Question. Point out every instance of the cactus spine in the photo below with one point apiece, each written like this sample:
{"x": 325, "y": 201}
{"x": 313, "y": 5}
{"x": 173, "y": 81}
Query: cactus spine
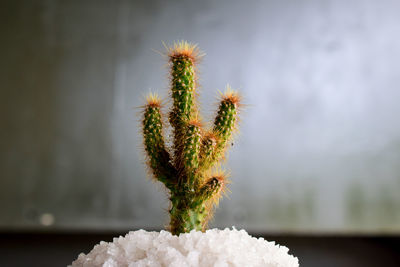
{"x": 191, "y": 175}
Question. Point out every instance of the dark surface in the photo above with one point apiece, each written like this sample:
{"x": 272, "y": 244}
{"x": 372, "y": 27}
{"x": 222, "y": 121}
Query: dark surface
{"x": 60, "y": 249}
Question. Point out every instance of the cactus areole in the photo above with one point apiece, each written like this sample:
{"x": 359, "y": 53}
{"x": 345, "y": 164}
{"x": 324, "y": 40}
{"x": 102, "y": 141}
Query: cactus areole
{"x": 190, "y": 166}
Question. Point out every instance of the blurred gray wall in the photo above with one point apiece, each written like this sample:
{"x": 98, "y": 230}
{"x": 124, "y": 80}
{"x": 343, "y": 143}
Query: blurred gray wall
{"x": 319, "y": 149}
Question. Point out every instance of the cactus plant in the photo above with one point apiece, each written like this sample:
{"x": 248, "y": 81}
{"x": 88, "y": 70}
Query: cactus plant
{"x": 190, "y": 166}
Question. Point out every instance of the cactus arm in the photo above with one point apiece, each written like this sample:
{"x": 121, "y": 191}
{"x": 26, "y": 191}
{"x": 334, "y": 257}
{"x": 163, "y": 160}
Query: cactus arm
{"x": 191, "y": 149}
{"x": 182, "y": 58}
{"x": 214, "y": 143}
{"x": 207, "y": 151}
{"x": 158, "y": 158}
{"x": 225, "y": 120}
{"x": 208, "y": 190}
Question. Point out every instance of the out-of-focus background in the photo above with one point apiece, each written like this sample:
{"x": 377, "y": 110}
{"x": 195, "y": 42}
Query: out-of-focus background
{"x": 319, "y": 149}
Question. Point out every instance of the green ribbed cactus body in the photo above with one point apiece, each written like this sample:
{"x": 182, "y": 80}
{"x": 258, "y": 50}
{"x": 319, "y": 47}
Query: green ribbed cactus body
{"x": 183, "y": 86}
{"x": 158, "y": 157}
{"x": 194, "y": 184}
{"x": 186, "y": 215}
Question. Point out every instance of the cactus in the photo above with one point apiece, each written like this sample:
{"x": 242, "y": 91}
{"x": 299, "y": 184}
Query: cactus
{"x": 190, "y": 167}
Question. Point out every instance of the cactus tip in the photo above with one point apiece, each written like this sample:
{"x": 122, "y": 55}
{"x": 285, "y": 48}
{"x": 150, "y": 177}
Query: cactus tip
{"x": 221, "y": 178}
{"x": 231, "y": 95}
{"x": 153, "y": 100}
{"x": 184, "y": 48}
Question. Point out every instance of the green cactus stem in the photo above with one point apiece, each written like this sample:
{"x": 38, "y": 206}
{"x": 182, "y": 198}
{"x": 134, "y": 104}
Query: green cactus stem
{"x": 191, "y": 175}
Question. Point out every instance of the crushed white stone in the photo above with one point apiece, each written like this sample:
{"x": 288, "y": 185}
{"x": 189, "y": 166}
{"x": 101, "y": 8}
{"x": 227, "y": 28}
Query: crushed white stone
{"x": 217, "y": 248}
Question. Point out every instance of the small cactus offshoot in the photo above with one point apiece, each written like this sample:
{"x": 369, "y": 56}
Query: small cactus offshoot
{"x": 190, "y": 166}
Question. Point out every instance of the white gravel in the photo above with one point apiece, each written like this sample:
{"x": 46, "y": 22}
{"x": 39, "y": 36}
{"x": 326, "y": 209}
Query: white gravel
{"x": 218, "y": 248}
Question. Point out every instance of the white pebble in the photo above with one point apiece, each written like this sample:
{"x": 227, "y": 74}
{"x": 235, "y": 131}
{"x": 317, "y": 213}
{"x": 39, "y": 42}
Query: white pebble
{"x": 213, "y": 248}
